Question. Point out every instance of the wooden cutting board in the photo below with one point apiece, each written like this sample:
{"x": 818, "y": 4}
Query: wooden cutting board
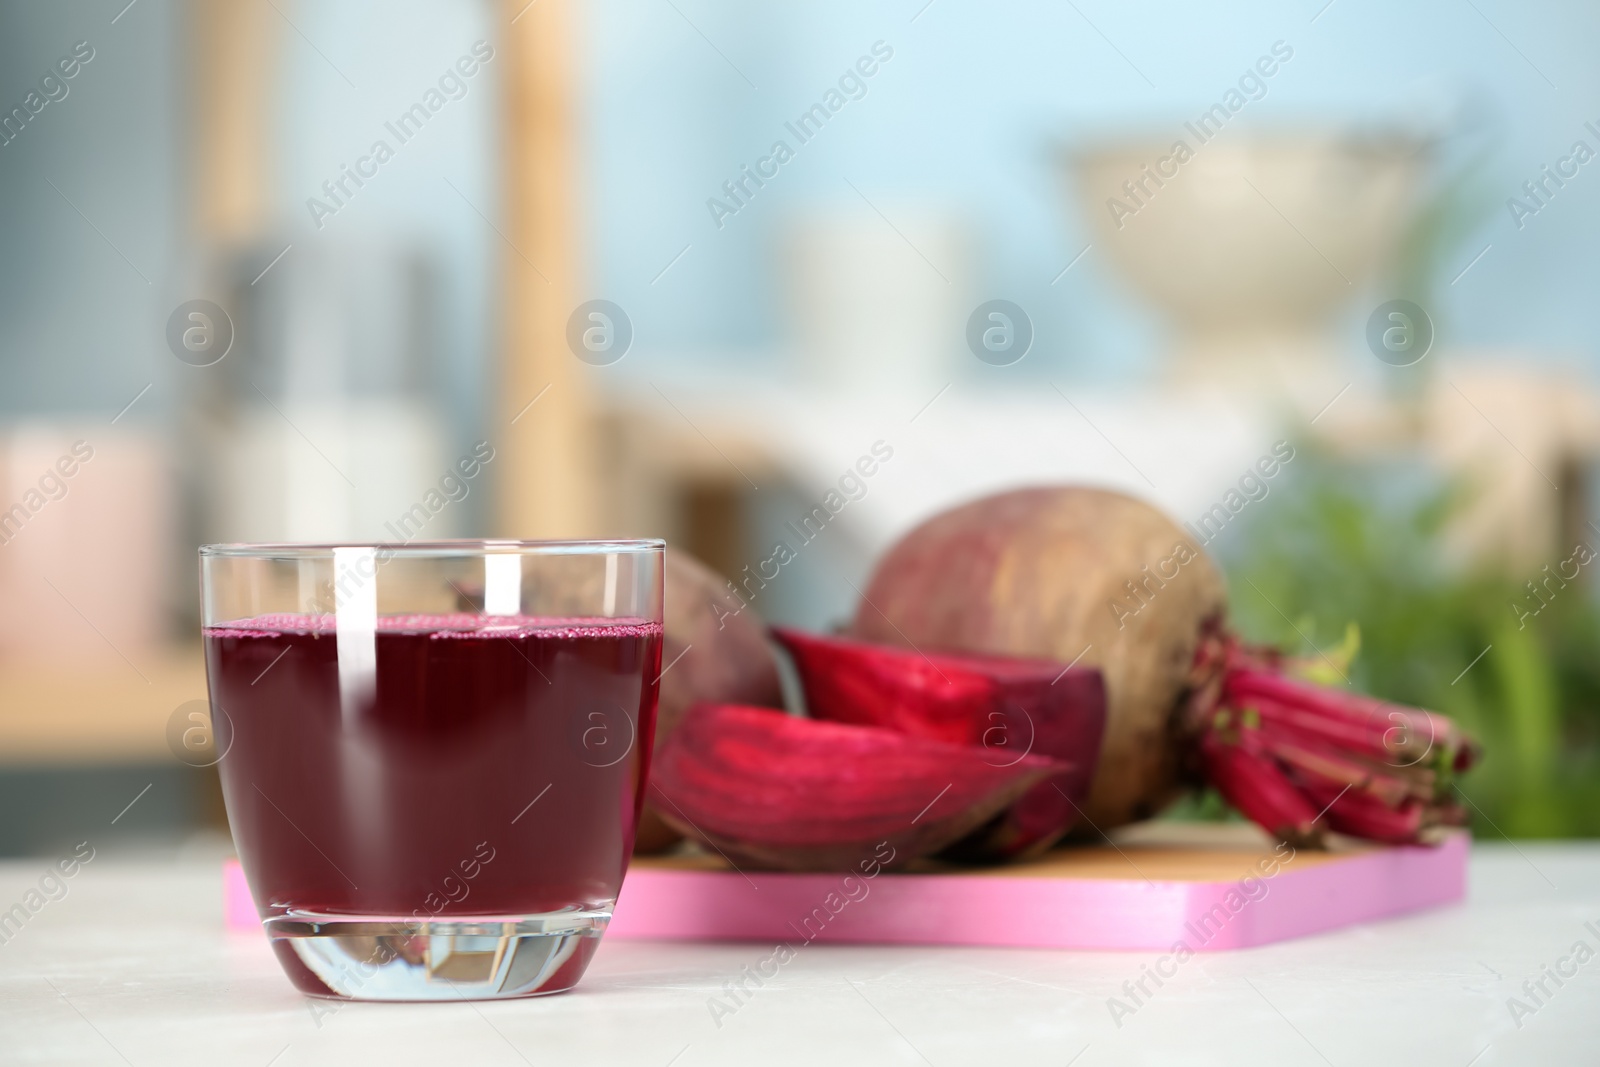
{"x": 1210, "y": 887}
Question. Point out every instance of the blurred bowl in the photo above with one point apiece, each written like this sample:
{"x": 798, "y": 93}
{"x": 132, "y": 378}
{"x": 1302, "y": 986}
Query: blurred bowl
{"x": 1256, "y": 230}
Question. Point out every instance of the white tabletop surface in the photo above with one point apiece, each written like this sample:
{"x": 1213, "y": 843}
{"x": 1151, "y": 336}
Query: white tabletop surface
{"x": 133, "y": 966}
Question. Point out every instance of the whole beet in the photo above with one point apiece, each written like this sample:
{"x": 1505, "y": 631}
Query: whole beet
{"x": 1077, "y": 575}
{"x": 715, "y": 651}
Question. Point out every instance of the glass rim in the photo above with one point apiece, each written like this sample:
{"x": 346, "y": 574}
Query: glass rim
{"x": 463, "y": 547}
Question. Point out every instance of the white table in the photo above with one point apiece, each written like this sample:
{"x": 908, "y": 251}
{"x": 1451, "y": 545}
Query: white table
{"x": 134, "y": 966}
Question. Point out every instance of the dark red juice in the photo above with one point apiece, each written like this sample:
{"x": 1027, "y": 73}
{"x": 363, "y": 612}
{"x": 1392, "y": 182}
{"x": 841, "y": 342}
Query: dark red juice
{"x": 482, "y": 767}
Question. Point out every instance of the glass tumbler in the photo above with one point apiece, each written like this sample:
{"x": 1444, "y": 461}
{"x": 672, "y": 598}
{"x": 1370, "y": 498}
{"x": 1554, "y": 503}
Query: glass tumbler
{"x": 434, "y": 755}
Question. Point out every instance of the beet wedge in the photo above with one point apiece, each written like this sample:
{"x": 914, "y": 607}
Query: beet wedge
{"x": 775, "y": 791}
{"x": 1006, "y": 707}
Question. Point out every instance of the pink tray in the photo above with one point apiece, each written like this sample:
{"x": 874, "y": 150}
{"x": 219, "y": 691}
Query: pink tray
{"x": 1211, "y": 887}
{"x": 1205, "y": 886}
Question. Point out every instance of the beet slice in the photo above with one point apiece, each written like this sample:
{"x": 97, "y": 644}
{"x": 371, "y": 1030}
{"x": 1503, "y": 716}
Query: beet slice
{"x": 1007, "y": 707}
{"x": 771, "y": 790}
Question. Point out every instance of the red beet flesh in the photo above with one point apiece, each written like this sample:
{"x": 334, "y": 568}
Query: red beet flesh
{"x": 1004, "y": 707}
{"x": 771, "y": 790}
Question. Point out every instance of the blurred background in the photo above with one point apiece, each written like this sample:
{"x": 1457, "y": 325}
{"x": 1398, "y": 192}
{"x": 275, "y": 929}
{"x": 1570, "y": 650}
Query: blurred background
{"x": 271, "y": 267}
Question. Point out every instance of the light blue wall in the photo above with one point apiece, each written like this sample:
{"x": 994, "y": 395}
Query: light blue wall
{"x": 80, "y": 329}
{"x": 964, "y": 114}
{"x": 81, "y": 332}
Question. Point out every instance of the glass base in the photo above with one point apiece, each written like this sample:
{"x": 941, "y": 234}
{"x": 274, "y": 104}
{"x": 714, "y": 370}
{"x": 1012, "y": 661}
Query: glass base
{"x": 478, "y": 959}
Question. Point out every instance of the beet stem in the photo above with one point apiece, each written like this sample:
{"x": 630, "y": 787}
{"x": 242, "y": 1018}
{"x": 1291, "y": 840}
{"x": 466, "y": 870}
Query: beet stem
{"x": 1275, "y": 747}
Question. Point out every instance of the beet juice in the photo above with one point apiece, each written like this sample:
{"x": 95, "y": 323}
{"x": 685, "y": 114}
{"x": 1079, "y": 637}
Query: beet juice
{"x": 494, "y": 767}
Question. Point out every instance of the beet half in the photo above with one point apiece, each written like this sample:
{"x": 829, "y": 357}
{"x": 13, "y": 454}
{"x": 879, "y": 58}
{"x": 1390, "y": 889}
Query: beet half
{"x": 1037, "y": 573}
{"x": 1005, "y": 707}
{"x": 771, "y": 790}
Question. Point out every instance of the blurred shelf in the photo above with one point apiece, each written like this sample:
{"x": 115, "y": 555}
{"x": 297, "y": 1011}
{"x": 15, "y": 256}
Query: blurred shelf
{"x": 66, "y": 713}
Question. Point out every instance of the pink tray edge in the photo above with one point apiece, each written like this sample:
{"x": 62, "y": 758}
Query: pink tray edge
{"x": 1101, "y": 914}
{"x": 1097, "y": 914}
